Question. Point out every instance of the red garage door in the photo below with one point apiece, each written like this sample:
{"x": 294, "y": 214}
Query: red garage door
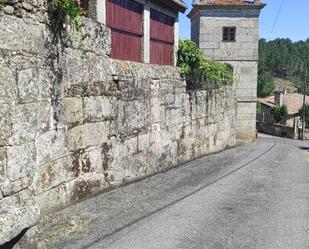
{"x": 124, "y": 17}
{"x": 161, "y": 38}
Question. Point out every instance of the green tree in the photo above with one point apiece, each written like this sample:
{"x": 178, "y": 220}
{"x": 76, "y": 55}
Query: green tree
{"x": 285, "y": 59}
{"x": 266, "y": 84}
{"x": 301, "y": 111}
{"x": 279, "y": 112}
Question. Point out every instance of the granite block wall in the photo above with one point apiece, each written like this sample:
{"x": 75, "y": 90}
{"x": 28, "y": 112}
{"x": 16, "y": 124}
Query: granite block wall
{"x": 74, "y": 122}
{"x": 242, "y": 55}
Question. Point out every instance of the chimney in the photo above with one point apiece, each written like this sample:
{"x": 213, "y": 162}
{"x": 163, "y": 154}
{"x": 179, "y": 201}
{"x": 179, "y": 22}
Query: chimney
{"x": 279, "y": 97}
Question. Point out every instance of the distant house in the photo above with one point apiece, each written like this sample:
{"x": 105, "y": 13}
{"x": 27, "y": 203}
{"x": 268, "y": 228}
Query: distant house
{"x": 142, "y": 30}
{"x": 290, "y": 125}
{"x": 293, "y": 101}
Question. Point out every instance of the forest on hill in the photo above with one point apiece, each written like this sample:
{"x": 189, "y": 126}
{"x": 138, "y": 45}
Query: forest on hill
{"x": 282, "y": 58}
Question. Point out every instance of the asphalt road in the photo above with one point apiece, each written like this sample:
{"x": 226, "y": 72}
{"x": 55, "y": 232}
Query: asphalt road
{"x": 255, "y": 196}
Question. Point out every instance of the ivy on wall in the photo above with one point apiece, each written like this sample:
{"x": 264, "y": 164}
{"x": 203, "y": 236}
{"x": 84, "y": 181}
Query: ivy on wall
{"x": 200, "y": 72}
{"x": 71, "y": 10}
{"x": 1, "y": 4}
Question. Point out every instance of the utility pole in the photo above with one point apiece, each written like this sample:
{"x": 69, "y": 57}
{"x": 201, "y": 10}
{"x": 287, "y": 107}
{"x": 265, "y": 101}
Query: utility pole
{"x": 304, "y": 103}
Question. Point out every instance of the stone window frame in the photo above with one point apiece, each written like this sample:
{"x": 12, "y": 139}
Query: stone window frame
{"x": 229, "y": 34}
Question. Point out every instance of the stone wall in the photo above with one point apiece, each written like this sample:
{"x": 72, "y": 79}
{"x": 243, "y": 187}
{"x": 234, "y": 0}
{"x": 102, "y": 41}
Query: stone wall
{"x": 207, "y": 32}
{"x": 277, "y": 130}
{"x": 74, "y": 122}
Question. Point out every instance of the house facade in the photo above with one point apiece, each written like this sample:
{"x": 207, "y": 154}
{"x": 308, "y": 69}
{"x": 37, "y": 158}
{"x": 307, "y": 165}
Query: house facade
{"x": 293, "y": 101}
{"x": 228, "y": 31}
{"x": 142, "y": 30}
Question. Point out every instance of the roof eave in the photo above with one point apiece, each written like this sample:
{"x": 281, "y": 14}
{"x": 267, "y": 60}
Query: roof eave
{"x": 177, "y": 5}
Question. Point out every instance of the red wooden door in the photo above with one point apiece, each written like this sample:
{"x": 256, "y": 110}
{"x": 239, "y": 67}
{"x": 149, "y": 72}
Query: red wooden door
{"x": 124, "y": 17}
{"x": 161, "y": 38}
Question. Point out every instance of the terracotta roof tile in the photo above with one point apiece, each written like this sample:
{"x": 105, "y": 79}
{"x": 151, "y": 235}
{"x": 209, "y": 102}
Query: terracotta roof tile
{"x": 268, "y": 101}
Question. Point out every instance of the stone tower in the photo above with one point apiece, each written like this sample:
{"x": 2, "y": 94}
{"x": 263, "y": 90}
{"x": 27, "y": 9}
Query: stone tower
{"x": 228, "y": 31}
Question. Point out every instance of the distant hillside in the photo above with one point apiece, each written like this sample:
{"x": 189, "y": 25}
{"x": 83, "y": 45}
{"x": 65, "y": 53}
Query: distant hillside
{"x": 284, "y": 60}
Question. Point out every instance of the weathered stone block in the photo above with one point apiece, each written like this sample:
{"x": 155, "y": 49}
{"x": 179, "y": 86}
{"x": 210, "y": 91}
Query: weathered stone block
{"x": 89, "y": 161}
{"x": 21, "y": 161}
{"x": 13, "y": 220}
{"x": 143, "y": 142}
{"x": 78, "y": 72}
{"x": 33, "y": 84}
{"x": 98, "y": 39}
{"x": 71, "y": 110}
{"x": 5, "y": 186}
{"x": 89, "y": 134}
{"x": 84, "y": 186}
{"x": 5, "y": 124}
{"x": 124, "y": 148}
{"x": 3, "y": 161}
{"x": 135, "y": 116}
{"x": 51, "y": 146}
{"x": 29, "y": 120}
{"x": 99, "y": 108}
{"x": 10, "y": 30}
{"x": 52, "y": 199}
{"x": 12, "y": 187}
{"x": 54, "y": 173}
{"x": 7, "y": 81}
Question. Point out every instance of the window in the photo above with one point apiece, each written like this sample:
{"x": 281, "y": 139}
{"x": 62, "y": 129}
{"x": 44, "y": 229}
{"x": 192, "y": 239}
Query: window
{"x": 229, "y": 34}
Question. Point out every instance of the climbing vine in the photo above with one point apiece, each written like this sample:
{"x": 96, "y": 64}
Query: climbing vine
{"x": 1, "y": 4}
{"x": 201, "y": 72}
{"x": 258, "y": 109}
{"x": 71, "y": 10}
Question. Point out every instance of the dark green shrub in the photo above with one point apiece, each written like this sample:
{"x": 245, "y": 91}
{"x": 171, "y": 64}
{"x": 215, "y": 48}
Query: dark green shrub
{"x": 306, "y": 108}
{"x": 200, "y": 72}
{"x": 266, "y": 84}
{"x": 258, "y": 109}
{"x": 1, "y": 4}
{"x": 279, "y": 112}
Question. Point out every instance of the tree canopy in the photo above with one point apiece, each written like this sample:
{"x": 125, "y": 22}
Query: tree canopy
{"x": 306, "y": 109}
{"x": 284, "y": 59}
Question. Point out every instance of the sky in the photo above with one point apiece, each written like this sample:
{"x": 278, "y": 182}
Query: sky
{"x": 293, "y": 21}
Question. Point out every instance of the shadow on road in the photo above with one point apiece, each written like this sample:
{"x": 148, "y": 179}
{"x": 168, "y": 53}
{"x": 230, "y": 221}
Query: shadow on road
{"x": 303, "y": 148}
